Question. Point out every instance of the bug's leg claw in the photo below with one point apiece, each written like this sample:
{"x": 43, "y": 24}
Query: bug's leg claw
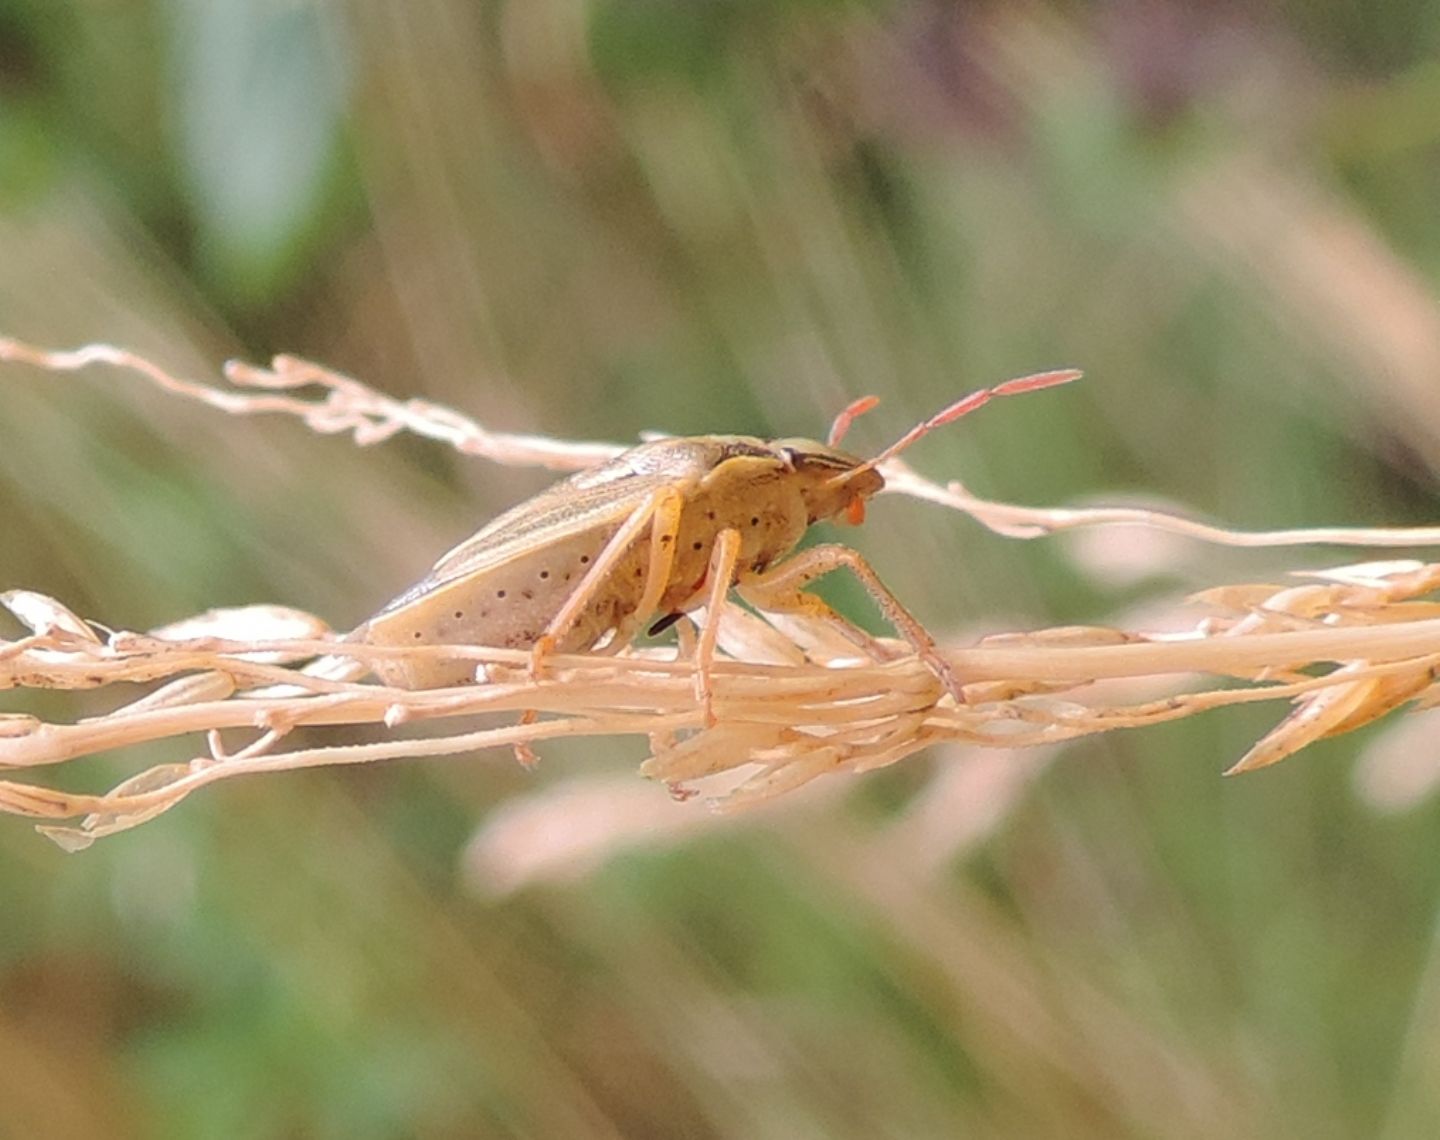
{"x": 705, "y": 696}
{"x": 526, "y": 755}
{"x": 945, "y": 673}
{"x": 539, "y": 653}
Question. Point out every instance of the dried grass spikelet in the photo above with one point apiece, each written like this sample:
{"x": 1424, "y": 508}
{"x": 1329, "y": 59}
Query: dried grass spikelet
{"x": 793, "y": 699}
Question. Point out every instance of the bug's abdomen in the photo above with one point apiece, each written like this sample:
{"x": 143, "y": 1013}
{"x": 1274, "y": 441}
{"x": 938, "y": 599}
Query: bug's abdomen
{"x": 508, "y": 606}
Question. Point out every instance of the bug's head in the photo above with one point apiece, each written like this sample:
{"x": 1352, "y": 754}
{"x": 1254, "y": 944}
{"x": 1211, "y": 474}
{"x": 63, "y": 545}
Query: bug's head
{"x": 833, "y": 483}
{"x": 843, "y": 482}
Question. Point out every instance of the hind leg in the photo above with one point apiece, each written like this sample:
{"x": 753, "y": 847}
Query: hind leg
{"x": 661, "y": 513}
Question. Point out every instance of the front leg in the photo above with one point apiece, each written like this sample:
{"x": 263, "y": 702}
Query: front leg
{"x": 782, "y": 588}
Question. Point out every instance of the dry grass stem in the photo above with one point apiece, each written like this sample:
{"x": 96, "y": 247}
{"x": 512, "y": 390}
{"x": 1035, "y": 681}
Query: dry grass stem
{"x": 793, "y": 700}
{"x": 346, "y": 405}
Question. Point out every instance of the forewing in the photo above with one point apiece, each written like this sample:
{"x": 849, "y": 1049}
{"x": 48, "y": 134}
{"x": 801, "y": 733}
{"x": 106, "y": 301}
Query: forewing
{"x": 561, "y": 512}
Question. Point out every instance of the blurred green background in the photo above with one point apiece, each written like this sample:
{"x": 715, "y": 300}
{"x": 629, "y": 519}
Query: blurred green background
{"x": 592, "y": 217}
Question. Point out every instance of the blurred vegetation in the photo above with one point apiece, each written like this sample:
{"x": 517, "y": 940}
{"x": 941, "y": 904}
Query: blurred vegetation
{"x": 591, "y": 217}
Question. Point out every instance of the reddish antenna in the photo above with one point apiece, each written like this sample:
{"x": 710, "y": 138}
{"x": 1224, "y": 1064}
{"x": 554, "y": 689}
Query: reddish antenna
{"x": 961, "y": 407}
{"x": 852, "y": 412}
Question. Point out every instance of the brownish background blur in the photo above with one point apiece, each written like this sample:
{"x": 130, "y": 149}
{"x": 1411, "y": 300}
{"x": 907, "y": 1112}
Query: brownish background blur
{"x": 591, "y": 217}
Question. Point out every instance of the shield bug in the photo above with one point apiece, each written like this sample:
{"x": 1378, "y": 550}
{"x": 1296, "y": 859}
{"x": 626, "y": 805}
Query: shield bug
{"x": 661, "y": 529}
